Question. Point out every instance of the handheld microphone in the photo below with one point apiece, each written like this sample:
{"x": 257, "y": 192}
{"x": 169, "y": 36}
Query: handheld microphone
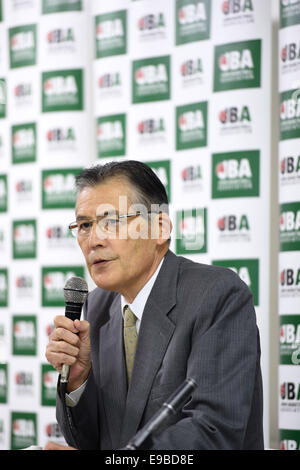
{"x": 75, "y": 293}
{"x": 171, "y": 406}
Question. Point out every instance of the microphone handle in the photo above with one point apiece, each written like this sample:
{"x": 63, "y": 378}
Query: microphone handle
{"x": 72, "y": 311}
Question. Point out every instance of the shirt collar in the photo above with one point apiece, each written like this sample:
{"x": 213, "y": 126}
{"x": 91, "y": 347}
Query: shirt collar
{"x": 138, "y": 305}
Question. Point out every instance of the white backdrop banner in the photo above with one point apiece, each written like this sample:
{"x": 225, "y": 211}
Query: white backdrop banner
{"x": 289, "y": 203}
{"x": 183, "y": 86}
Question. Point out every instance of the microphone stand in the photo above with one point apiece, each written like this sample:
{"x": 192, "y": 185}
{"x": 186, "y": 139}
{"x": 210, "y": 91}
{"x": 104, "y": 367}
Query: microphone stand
{"x": 170, "y": 407}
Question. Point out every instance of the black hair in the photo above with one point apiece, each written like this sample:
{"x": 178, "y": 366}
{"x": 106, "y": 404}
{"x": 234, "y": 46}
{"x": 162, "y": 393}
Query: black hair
{"x": 148, "y": 187}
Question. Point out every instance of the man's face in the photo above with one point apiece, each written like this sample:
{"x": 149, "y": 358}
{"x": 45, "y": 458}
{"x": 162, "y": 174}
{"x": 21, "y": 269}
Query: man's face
{"x": 122, "y": 264}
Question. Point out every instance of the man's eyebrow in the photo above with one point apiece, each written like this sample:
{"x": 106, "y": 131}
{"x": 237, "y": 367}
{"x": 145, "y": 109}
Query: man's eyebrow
{"x": 82, "y": 217}
{"x": 85, "y": 217}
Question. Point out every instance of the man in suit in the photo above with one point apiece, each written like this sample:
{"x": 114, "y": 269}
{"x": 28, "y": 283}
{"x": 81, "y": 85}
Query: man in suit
{"x": 187, "y": 320}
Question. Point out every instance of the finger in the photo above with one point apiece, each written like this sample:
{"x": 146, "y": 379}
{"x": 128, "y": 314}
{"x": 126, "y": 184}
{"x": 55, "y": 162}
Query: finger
{"x": 61, "y": 321}
{"x": 63, "y": 347}
{"x": 83, "y": 327}
{"x": 61, "y": 334}
{"x": 53, "y": 446}
{"x": 58, "y": 359}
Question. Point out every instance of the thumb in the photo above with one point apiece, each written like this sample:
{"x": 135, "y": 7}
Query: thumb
{"x": 83, "y": 327}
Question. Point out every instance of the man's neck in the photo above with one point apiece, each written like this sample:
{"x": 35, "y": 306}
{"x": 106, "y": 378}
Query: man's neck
{"x": 131, "y": 293}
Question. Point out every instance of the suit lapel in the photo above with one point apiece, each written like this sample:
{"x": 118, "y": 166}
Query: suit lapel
{"x": 112, "y": 371}
{"x": 155, "y": 333}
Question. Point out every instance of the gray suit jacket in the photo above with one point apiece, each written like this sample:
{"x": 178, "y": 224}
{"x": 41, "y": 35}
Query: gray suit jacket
{"x": 198, "y": 322}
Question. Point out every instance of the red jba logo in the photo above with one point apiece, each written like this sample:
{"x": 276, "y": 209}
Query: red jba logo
{"x": 233, "y": 223}
{"x": 236, "y": 6}
{"x": 234, "y": 114}
{"x": 151, "y": 22}
{"x": 290, "y": 277}
{"x": 290, "y": 165}
{"x": 290, "y": 52}
{"x": 52, "y": 430}
{"x": 290, "y": 391}
{"x": 60, "y": 35}
{"x": 151, "y": 126}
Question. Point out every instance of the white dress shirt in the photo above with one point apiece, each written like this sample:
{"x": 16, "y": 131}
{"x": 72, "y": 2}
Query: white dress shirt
{"x": 137, "y": 307}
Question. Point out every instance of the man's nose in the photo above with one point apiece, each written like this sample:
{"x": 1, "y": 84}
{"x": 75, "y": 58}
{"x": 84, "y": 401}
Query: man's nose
{"x": 96, "y": 236}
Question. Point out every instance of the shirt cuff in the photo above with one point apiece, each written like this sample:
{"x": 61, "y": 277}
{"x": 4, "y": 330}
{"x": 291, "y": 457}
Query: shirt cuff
{"x": 73, "y": 398}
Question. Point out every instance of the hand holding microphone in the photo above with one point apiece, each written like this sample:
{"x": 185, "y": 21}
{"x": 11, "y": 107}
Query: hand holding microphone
{"x": 69, "y": 349}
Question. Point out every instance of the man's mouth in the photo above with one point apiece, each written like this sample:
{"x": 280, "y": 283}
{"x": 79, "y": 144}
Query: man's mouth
{"x": 101, "y": 261}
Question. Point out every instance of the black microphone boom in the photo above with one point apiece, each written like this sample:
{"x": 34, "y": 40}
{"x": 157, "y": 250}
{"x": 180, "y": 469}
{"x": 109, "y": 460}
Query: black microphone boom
{"x": 171, "y": 406}
{"x": 75, "y": 293}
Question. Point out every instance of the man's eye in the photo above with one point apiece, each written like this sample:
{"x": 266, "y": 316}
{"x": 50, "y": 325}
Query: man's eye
{"x": 110, "y": 224}
{"x": 84, "y": 226}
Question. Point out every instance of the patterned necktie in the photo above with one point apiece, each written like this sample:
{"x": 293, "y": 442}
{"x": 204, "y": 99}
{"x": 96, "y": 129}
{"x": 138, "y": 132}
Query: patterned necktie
{"x": 130, "y": 339}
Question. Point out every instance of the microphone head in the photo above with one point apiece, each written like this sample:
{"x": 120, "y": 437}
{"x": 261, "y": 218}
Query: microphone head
{"x": 76, "y": 290}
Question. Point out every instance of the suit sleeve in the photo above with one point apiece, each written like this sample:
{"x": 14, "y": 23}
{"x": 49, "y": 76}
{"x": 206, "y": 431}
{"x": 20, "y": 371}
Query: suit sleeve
{"x": 224, "y": 360}
{"x": 82, "y": 418}
{"x": 81, "y": 421}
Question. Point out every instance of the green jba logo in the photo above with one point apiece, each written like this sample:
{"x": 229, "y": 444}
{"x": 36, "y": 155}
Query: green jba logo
{"x": 24, "y": 335}
{"x": 151, "y": 79}
{"x": 2, "y": 98}
{"x": 24, "y": 239}
{"x": 289, "y": 13}
{"x": 237, "y": 65}
{"x": 62, "y": 90}
{"x": 53, "y": 282}
{"x": 24, "y": 143}
{"x": 289, "y": 340}
{"x": 3, "y": 287}
{"x": 23, "y": 430}
{"x": 111, "y": 135}
{"x": 191, "y": 126}
{"x": 3, "y": 193}
{"x": 290, "y": 114}
{"x": 290, "y": 226}
{"x": 162, "y": 170}
{"x": 56, "y": 6}
{"x": 192, "y": 20}
{"x": 3, "y": 384}
{"x": 289, "y": 439}
{"x": 111, "y": 34}
{"x": 235, "y": 174}
{"x": 22, "y": 45}
{"x": 247, "y": 270}
{"x": 49, "y": 381}
{"x": 191, "y": 232}
{"x": 58, "y": 188}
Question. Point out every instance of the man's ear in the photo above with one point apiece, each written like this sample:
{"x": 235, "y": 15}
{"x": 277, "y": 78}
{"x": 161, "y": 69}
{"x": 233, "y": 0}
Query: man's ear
{"x": 163, "y": 226}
